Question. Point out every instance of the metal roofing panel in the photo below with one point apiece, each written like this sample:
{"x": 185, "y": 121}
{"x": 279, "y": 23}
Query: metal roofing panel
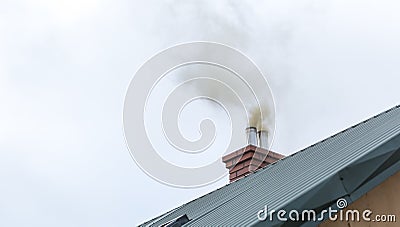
{"x": 287, "y": 181}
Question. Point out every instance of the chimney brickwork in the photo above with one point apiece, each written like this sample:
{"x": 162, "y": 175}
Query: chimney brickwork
{"x": 247, "y": 160}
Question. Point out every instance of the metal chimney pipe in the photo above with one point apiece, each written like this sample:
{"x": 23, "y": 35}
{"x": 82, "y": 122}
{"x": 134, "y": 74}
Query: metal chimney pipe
{"x": 263, "y": 139}
{"x": 251, "y": 135}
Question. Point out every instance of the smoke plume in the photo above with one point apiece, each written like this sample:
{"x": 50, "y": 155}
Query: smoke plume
{"x": 234, "y": 24}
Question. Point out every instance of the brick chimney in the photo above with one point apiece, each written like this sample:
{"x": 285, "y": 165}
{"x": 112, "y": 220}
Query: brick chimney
{"x": 251, "y": 157}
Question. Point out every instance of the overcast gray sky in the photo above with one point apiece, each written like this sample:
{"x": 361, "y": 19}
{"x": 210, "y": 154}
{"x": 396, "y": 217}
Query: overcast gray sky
{"x": 65, "y": 67}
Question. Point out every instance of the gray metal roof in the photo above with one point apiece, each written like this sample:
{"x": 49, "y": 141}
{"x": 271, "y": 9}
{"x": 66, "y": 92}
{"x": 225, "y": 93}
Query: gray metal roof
{"x": 346, "y": 165}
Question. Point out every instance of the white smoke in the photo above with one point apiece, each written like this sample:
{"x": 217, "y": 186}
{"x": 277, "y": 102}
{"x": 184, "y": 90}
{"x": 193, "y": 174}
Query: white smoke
{"x": 234, "y": 24}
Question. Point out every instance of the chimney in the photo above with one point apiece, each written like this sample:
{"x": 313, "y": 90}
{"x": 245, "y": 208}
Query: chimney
{"x": 251, "y": 135}
{"x": 263, "y": 139}
{"x": 252, "y": 157}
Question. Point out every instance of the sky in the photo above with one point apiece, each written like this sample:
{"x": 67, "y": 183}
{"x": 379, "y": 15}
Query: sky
{"x": 65, "y": 67}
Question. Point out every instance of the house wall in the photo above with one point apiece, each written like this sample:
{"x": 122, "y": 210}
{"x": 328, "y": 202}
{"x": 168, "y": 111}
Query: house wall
{"x": 383, "y": 199}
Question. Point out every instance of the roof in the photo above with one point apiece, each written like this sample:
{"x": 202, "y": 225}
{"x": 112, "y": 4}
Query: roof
{"x": 346, "y": 165}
